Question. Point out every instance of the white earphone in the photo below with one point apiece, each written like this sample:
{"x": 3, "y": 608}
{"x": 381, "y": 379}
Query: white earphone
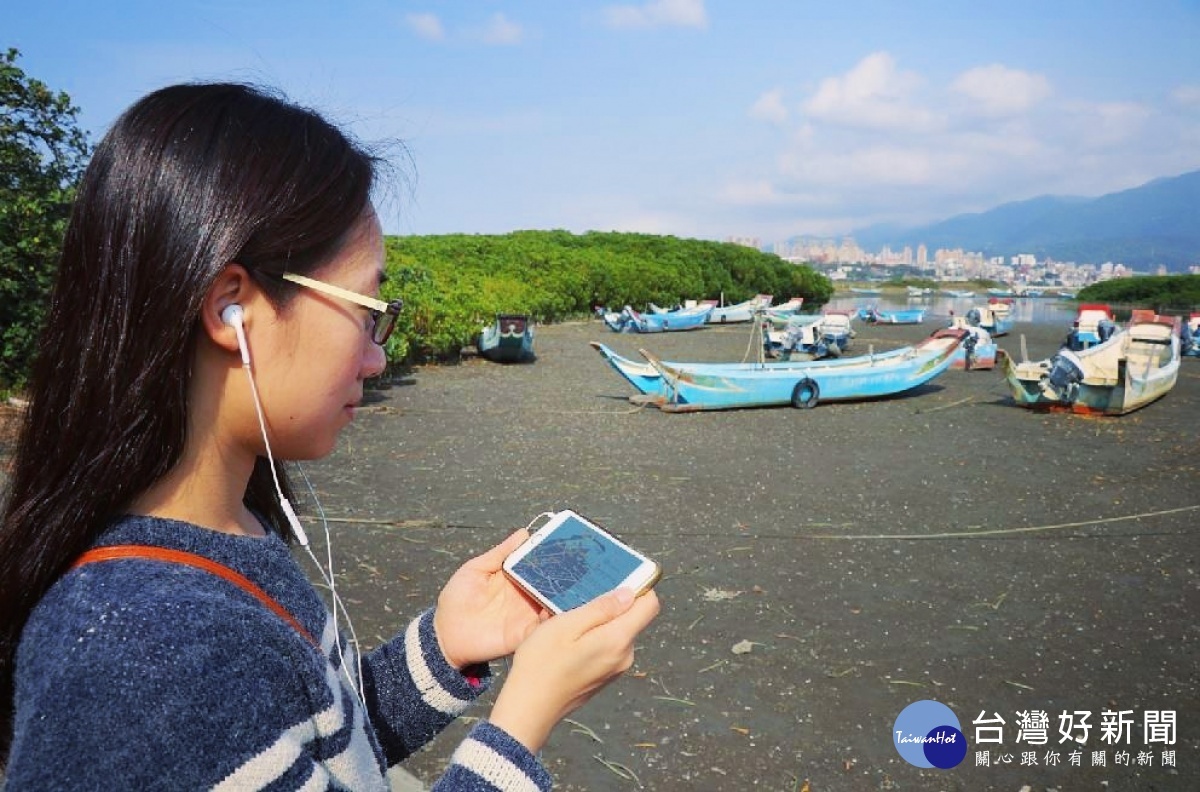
{"x": 232, "y": 316}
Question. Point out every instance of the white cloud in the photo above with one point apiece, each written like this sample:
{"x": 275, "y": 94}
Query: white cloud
{"x": 1105, "y": 124}
{"x": 1187, "y": 95}
{"x": 874, "y": 94}
{"x": 427, "y": 26}
{"x": 997, "y": 90}
{"x": 770, "y": 107}
{"x": 879, "y": 163}
{"x": 502, "y": 30}
{"x": 752, "y": 193}
{"x": 658, "y": 13}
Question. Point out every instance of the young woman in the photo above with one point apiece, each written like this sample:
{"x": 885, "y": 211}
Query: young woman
{"x": 217, "y": 307}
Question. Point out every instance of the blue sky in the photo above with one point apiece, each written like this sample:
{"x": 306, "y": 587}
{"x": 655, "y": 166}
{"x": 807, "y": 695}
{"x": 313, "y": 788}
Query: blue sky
{"x": 701, "y": 118}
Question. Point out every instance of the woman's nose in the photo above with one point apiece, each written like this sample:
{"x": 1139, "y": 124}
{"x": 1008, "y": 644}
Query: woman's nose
{"x": 374, "y": 360}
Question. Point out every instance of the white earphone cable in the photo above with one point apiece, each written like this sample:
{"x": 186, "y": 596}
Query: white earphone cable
{"x": 298, "y": 531}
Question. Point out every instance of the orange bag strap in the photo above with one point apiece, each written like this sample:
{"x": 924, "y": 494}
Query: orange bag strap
{"x": 116, "y": 552}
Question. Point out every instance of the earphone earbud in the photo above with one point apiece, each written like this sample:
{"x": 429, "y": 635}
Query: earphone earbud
{"x": 232, "y": 316}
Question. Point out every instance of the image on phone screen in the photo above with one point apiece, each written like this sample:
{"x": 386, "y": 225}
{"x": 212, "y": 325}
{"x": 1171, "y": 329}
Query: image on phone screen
{"x": 574, "y": 565}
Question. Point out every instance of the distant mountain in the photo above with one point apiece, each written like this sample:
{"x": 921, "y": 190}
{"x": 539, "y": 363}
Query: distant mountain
{"x": 1157, "y": 223}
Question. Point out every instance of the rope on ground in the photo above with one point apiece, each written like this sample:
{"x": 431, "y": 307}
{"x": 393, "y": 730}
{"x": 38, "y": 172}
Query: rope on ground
{"x": 496, "y": 411}
{"x": 1003, "y": 531}
{"x": 820, "y": 537}
{"x": 919, "y": 411}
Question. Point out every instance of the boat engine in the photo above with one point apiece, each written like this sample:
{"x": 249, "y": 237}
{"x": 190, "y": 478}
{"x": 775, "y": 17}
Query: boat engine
{"x": 968, "y": 344}
{"x": 1066, "y": 373}
{"x": 1105, "y": 328}
{"x": 973, "y": 317}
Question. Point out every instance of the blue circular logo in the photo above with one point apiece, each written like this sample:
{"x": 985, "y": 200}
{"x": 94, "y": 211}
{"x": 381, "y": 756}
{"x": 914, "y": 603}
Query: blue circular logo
{"x": 927, "y": 734}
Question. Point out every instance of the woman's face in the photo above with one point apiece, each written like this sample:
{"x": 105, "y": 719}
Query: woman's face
{"x": 321, "y": 352}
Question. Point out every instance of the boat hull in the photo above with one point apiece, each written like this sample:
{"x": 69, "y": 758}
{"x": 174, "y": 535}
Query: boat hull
{"x": 1130, "y": 370}
{"x": 630, "y": 321}
{"x": 913, "y": 316}
{"x": 804, "y": 385}
{"x": 741, "y": 312}
{"x": 648, "y": 381}
{"x": 508, "y": 340}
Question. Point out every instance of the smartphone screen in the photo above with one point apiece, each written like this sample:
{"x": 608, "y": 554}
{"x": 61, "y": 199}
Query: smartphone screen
{"x": 575, "y": 563}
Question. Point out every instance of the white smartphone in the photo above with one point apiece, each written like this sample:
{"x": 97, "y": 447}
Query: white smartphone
{"x": 570, "y": 561}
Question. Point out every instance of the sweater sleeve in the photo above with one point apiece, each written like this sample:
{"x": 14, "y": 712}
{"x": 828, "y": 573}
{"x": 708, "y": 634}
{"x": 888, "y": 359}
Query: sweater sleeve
{"x": 413, "y": 693}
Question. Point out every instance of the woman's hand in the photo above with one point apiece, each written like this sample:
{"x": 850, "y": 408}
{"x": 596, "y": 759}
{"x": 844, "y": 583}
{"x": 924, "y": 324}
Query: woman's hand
{"x": 480, "y": 614}
{"x": 566, "y": 660}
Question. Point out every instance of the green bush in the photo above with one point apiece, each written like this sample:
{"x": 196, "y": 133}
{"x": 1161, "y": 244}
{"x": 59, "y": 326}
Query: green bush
{"x": 1177, "y": 292}
{"x": 454, "y": 284}
{"x": 42, "y": 155}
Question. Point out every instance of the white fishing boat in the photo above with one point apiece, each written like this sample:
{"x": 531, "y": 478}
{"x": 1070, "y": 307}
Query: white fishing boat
{"x": 1134, "y": 367}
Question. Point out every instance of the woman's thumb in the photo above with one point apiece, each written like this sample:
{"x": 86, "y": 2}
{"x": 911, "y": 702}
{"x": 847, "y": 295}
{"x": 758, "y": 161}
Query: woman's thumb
{"x": 603, "y": 609}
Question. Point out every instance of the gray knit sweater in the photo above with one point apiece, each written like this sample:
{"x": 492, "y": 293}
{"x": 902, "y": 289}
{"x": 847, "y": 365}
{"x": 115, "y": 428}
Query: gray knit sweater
{"x": 143, "y": 674}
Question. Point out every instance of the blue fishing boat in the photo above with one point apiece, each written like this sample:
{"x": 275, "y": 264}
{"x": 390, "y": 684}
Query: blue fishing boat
{"x": 1189, "y": 336}
{"x": 631, "y": 321}
{"x": 1001, "y": 293}
{"x": 649, "y": 384}
{"x": 785, "y": 310}
{"x": 902, "y": 316}
{"x": 690, "y": 389}
{"x": 507, "y": 340}
{"x": 978, "y": 350}
{"x": 741, "y": 312}
{"x": 801, "y": 335}
{"x": 1094, "y": 324}
{"x": 995, "y": 317}
{"x": 1134, "y": 367}
{"x": 836, "y": 329}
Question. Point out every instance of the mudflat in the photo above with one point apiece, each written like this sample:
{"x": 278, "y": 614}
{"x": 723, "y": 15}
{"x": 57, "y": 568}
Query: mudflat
{"x": 824, "y": 568}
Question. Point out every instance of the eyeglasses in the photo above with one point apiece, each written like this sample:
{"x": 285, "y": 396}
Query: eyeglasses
{"x": 383, "y": 314}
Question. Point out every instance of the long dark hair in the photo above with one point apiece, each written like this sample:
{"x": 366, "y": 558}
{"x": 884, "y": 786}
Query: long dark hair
{"x": 190, "y": 178}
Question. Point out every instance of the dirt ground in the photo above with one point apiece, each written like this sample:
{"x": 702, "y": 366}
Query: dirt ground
{"x": 824, "y": 568}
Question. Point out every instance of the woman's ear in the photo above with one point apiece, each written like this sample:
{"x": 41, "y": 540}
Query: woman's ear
{"x": 233, "y": 286}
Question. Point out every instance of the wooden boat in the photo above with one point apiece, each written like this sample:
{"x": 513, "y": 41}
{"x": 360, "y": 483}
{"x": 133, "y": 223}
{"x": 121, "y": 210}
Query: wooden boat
{"x": 978, "y": 350}
{"x": 836, "y": 329}
{"x": 648, "y": 381}
{"x": 686, "y": 304}
{"x": 784, "y": 321}
{"x": 1133, "y": 368}
{"x": 801, "y": 335}
{"x": 741, "y": 312}
{"x": 690, "y": 388}
{"x": 507, "y": 340}
{"x": 903, "y": 316}
{"x": 785, "y": 310}
{"x": 1189, "y": 336}
{"x": 1094, "y": 324}
{"x": 630, "y": 321}
{"x": 995, "y": 317}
